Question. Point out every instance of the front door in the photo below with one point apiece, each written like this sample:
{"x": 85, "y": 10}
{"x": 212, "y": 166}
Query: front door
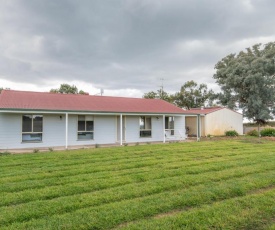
{"x": 123, "y": 128}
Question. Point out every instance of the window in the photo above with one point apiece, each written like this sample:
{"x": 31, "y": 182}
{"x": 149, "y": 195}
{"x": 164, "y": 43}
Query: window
{"x": 145, "y": 127}
{"x": 85, "y": 130}
{"x": 169, "y": 125}
{"x": 32, "y": 128}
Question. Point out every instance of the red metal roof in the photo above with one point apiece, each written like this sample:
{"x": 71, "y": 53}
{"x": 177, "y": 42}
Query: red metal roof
{"x": 17, "y": 100}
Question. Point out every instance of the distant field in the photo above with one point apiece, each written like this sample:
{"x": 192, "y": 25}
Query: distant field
{"x": 227, "y": 184}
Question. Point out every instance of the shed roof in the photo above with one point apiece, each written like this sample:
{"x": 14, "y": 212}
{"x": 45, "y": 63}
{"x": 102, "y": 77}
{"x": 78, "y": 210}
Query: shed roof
{"x": 204, "y": 110}
{"x": 25, "y": 100}
{"x": 207, "y": 110}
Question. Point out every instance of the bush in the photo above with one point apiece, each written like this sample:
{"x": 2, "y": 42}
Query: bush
{"x": 268, "y": 132}
{"x": 4, "y": 153}
{"x": 231, "y": 133}
{"x": 253, "y": 133}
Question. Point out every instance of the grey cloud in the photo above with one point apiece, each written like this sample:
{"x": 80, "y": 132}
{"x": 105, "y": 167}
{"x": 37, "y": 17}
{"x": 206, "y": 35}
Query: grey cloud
{"x": 125, "y": 43}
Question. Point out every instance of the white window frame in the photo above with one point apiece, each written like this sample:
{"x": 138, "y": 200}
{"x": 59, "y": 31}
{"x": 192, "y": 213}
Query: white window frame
{"x": 86, "y": 118}
{"x": 31, "y": 132}
{"x": 146, "y": 129}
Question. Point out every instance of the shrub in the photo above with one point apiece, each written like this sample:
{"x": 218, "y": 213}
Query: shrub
{"x": 97, "y": 145}
{"x": 268, "y": 132}
{"x": 231, "y": 133}
{"x": 253, "y": 133}
{"x": 35, "y": 150}
{"x": 50, "y": 149}
{"x": 4, "y": 153}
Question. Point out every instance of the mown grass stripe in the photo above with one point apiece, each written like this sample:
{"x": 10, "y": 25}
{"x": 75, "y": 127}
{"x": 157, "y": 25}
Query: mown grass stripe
{"x": 255, "y": 211}
{"x": 150, "y": 173}
{"x": 82, "y": 158}
{"x": 94, "y": 169}
{"x": 188, "y": 180}
{"x": 106, "y": 188}
{"x": 157, "y": 198}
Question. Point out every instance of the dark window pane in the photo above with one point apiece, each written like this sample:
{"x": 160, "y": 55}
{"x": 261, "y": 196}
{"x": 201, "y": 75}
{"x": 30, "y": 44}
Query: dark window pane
{"x": 148, "y": 123}
{"x": 166, "y": 122}
{"x": 145, "y": 133}
{"x": 81, "y": 125}
{"x": 37, "y": 137}
{"x": 27, "y": 123}
{"x": 89, "y": 125}
{"x": 85, "y": 135}
{"x": 171, "y": 122}
{"x": 37, "y": 123}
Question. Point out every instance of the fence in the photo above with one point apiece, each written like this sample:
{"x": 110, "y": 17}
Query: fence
{"x": 246, "y": 129}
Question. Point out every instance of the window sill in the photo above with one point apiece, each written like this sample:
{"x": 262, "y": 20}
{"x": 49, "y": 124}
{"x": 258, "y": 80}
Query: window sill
{"x": 85, "y": 140}
{"x": 26, "y": 142}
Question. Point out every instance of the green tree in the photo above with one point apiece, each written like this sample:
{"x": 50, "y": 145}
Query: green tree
{"x": 247, "y": 82}
{"x": 83, "y": 92}
{"x": 68, "y": 89}
{"x": 159, "y": 94}
{"x": 1, "y": 88}
{"x": 151, "y": 95}
{"x": 193, "y": 95}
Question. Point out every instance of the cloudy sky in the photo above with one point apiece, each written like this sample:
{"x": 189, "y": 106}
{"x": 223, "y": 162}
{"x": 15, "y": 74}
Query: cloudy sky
{"x": 125, "y": 46}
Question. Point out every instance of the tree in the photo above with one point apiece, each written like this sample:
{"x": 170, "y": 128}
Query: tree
{"x": 160, "y": 94}
{"x": 68, "y": 89}
{"x": 193, "y": 95}
{"x": 247, "y": 82}
{"x": 1, "y": 88}
{"x": 82, "y": 92}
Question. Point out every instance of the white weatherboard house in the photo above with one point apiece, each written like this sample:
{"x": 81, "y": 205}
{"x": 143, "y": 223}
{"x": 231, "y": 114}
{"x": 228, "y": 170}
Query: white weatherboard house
{"x": 214, "y": 121}
{"x": 37, "y": 120}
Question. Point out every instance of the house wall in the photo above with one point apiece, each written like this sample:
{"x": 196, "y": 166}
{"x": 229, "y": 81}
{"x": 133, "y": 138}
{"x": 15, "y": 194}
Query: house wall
{"x": 218, "y": 122}
{"x": 105, "y": 130}
{"x": 133, "y": 129}
{"x": 179, "y": 126}
{"x": 11, "y": 132}
{"x": 191, "y": 122}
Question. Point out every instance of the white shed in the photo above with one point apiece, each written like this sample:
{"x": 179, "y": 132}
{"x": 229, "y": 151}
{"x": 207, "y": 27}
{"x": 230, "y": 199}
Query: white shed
{"x": 214, "y": 121}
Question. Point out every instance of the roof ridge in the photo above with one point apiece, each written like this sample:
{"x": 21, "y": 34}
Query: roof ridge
{"x": 212, "y": 107}
{"x": 71, "y": 94}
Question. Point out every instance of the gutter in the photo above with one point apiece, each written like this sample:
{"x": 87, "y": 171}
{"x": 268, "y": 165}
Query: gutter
{"x": 89, "y": 112}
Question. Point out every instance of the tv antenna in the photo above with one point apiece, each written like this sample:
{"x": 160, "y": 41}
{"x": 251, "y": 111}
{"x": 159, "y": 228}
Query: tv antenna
{"x": 101, "y": 92}
{"x": 161, "y": 88}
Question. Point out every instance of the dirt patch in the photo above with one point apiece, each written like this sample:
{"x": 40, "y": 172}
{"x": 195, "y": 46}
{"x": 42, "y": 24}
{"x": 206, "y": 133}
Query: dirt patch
{"x": 262, "y": 190}
{"x": 166, "y": 214}
{"x": 269, "y": 138}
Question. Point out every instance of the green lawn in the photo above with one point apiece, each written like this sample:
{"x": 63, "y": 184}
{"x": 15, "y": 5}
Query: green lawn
{"x": 227, "y": 184}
